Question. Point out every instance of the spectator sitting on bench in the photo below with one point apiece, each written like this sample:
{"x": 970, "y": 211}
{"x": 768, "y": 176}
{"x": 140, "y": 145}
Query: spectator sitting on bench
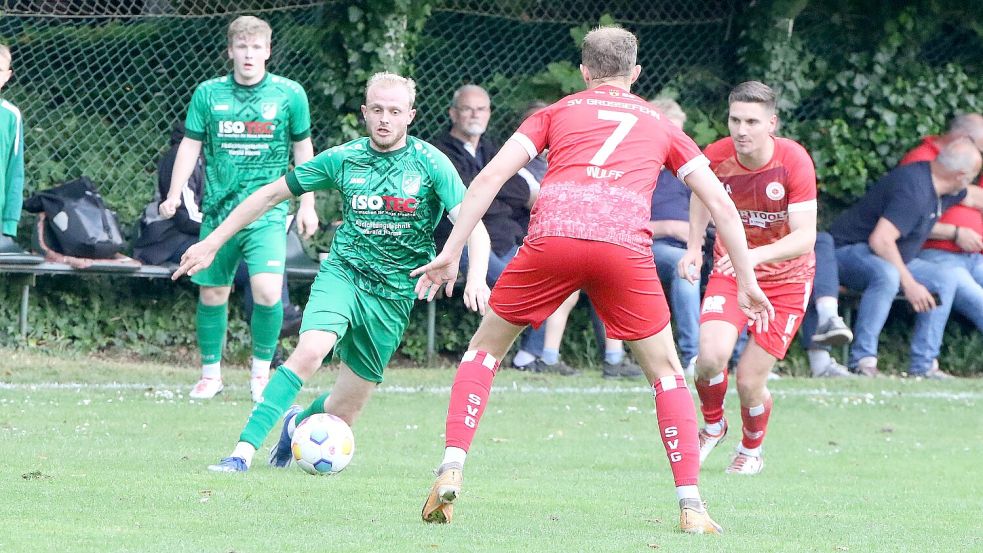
{"x": 822, "y": 327}
{"x": 163, "y": 241}
{"x": 877, "y": 242}
{"x": 956, "y": 241}
{"x": 507, "y": 219}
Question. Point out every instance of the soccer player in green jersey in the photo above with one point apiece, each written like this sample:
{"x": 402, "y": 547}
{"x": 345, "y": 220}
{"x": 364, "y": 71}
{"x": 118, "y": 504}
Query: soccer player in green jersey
{"x": 247, "y": 122}
{"x": 11, "y": 162}
{"x": 394, "y": 189}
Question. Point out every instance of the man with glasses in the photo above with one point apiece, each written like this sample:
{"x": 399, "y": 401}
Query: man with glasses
{"x": 11, "y": 162}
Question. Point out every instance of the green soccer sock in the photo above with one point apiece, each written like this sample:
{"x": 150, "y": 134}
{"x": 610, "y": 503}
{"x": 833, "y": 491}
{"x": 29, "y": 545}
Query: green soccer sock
{"x": 278, "y": 396}
{"x": 265, "y": 326}
{"x": 316, "y": 407}
{"x": 212, "y": 322}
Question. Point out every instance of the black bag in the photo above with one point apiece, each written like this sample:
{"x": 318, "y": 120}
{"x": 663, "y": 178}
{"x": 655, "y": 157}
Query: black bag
{"x": 79, "y": 223}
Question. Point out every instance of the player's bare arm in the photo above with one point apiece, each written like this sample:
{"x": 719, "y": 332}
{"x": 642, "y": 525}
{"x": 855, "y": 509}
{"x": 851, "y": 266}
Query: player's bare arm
{"x": 711, "y": 192}
{"x": 201, "y": 255}
{"x": 479, "y": 196}
{"x": 801, "y": 240}
{"x": 974, "y": 197}
{"x": 184, "y": 165}
{"x": 307, "y": 222}
{"x": 476, "y": 291}
{"x": 883, "y": 241}
{"x": 691, "y": 263}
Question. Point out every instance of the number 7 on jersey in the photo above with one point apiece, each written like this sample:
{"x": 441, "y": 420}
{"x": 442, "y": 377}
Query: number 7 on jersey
{"x": 625, "y": 122}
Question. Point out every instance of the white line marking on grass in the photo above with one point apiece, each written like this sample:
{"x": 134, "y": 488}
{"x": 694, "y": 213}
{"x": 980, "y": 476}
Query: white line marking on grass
{"x": 505, "y": 388}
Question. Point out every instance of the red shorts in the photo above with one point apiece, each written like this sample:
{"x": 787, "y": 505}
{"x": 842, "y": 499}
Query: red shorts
{"x": 788, "y": 298}
{"x": 623, "y": 285}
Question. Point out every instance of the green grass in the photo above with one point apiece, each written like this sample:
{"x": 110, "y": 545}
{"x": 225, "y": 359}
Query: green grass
{"x": 558, "y": 465}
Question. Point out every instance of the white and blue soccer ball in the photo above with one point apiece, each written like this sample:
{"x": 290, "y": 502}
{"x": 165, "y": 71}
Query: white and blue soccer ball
{"x": 323, "y": 444}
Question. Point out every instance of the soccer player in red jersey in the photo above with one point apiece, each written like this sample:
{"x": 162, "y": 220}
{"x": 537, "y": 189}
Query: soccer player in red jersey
{"x": 589, "y": 231}
{"x": 772, "y": 181}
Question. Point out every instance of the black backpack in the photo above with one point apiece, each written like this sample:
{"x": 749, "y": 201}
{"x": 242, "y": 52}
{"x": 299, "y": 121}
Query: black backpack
{"x": 78, "y": 222}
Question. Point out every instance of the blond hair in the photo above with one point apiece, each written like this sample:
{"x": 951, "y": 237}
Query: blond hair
{"x": 754, "y": 92}
{"x": 248, "y": 25}
{"x": 670, "y": 108}
{"x": 609, "y": 51}
{"x": 385, "y": 78}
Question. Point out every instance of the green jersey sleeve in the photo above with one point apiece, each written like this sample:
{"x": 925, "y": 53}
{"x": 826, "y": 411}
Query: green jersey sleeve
{"x": 447, "y": 182}
{"x": 195, "y": 123}
{"x": 320, "y": 173}
{"x": 300, "y": 115}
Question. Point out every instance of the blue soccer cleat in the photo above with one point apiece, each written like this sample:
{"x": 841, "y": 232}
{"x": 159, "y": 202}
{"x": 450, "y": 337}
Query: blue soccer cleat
{"x": 230, "y": 464}
{"x": 280, "y": 454}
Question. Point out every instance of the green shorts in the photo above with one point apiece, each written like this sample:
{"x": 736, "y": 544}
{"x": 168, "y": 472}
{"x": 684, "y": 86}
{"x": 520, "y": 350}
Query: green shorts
{"x": 264, "y": 248}
{"x": 369, "y": 327}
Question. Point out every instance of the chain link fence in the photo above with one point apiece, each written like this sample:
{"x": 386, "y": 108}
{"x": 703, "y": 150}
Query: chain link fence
{"x": 101, "y": 82}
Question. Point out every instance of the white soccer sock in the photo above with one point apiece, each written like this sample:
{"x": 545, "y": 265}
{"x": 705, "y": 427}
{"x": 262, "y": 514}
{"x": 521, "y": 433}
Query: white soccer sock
{"x": 753, "y": 452}
{"x": 244, "y": 451}
{"x": 827, "y": 308}
{"x": 714, "y": 428}
{"x": 454, "y": 455}
{"x": 212, "y": 370}
{"x": 688, "y": 492}
{"x": 260, "y": 367}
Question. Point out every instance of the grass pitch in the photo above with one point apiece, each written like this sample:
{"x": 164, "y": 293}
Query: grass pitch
{"x": 110, "y": 456}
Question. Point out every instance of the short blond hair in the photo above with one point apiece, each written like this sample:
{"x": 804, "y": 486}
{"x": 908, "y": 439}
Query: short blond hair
{"x": 5, "y": 53}
{"x": 248, "y": 25}
{"x": 609, "y": 51}
{"x": 385, "y": 78}
{"x": 670, "y": 108}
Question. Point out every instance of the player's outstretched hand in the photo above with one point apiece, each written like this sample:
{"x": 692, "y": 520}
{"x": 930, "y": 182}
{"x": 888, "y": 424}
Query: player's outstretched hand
{"x": 199, "y": 256}
{"x": 690, "y": 264}
{"x": 755, "y": 305}
{"x": 441, "y": 271}
{"x": 168, "y": 208}
{"x": 476, "y": 295}
{"x": 306, "y": 221}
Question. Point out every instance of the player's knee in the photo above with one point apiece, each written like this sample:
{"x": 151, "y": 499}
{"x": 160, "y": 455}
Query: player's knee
{"x": 214, "y": 295}
{"x": 711, "y": 361}
{"x": 306, "y": 360}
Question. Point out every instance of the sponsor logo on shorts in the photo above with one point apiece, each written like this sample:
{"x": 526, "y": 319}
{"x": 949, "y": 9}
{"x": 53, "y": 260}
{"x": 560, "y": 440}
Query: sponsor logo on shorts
{"x": 714, "y": 304}
{"x": 273, "y": 263}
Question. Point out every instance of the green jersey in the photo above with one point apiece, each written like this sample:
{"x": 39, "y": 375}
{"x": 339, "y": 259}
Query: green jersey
{"x": 247, "y": 134}
{"x": 391, "y": 202}
{"x": 11, "y": 167}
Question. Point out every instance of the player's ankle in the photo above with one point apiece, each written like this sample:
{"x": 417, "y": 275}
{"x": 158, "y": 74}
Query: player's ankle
{"x": 449, "y": 466}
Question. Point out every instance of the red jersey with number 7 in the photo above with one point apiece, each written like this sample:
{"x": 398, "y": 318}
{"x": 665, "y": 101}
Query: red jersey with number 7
{"x": 764, "y": 197}
{"x": 606, "y": 148}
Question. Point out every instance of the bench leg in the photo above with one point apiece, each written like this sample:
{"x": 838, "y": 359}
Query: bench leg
{"x": 431, "y": 329}
{"x": 848, "y": 319}
{"x": 25, "y": 296}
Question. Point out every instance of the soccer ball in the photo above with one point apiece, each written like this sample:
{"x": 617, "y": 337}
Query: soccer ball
{"x": 323, "y": 444}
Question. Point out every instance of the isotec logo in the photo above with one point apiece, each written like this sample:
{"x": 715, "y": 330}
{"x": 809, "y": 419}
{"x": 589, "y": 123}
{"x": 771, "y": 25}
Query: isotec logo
{"x": 387, "y": 203}
{"x": 245, "y": 127}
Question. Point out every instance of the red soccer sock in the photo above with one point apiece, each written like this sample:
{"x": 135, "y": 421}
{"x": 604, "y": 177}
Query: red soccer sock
{"x": 469, "y": 394}
{"x": 712, "y": 393}
{"x": 755, "y": 424}
{"x": 677, "y": 428}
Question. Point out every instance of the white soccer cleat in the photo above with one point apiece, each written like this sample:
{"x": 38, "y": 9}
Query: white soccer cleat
{"x": 256, "y": 386}
{"x": 709, "y": 441}
{"x": 206, "y": 388}
{"x": 746, "y": 464}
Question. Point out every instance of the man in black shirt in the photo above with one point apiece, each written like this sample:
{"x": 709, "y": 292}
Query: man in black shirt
{"x": 877, "y": 243}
